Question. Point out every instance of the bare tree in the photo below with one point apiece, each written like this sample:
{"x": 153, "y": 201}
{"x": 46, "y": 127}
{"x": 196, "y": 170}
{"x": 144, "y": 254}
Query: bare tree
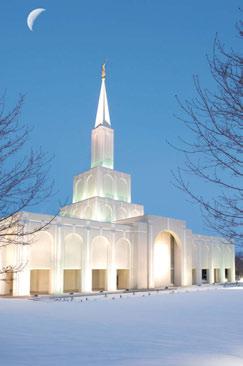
{"x": 213, "y": 153}
{"x": 23, "y": 178}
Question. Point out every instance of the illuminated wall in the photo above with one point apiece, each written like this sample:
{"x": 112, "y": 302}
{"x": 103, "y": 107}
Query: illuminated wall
{"x": 213, "y": 253}
{"x": 162, "y": 260}
{"x": 102, "y": 194}
{"x": 99, "y": 253}
{"x": 138, "y": 250}
{"x": 41, "y": 253}
{"x": 122, "y": 254}
{"x": 73, "y": 251}
{"x": 102, "y": 150}
{"x": 102, "y": 209}
{"x": 102, "y": 182}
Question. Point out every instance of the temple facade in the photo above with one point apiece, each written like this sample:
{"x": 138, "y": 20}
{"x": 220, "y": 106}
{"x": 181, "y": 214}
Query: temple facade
{"x": 104, "y": 241}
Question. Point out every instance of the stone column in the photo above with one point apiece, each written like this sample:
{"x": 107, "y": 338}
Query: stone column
{"x": 199, "y": 265}
{"x": 222, "y": 267}
{"x": 111, "y": 270}
{"x": 211, "y": 267}
{"x": 86, "y": 277}
{"x": 131, "y": 264}
{"x": 211, "y": 275}
{"x": 182, "y": 259}
{"x": 21, "y": 279}
{"x": 150, "y": 253}
{"x": 57, "y": 269}
{"x": 232, "y": 267}
{"x": 198, "y": 275}
{"x": 222, "y": 274}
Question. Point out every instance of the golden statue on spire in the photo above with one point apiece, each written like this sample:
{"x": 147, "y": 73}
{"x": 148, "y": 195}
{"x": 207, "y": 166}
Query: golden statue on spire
{"x": 103, "y": 71}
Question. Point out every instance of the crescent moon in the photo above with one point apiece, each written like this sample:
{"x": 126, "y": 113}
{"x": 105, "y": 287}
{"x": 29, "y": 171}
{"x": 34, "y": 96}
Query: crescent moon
{"x": 32, "y": 17}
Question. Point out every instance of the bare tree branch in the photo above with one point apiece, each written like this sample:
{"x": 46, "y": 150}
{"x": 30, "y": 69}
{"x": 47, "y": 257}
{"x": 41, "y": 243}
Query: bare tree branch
{"x": 24, "y": 180}
{"x": 213, "y": 153}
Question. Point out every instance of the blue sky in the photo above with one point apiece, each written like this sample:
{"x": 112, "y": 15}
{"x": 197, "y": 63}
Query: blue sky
{"x": 152, "y": 49}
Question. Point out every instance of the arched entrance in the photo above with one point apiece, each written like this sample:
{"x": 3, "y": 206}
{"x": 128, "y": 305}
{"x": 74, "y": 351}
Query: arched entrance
{"x": 167, "y": 260}
{"x": 72, "y": 263}
{"x": 41, "y": 262}
{"x": 122, "y": 258}
{"x": 99, "y": 262}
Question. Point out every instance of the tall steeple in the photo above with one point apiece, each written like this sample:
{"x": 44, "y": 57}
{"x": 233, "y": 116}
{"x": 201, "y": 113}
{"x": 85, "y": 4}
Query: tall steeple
{"x": 102, "y": 193}
{"x": 102, "y": 139}
{"x": 103, "y": 115}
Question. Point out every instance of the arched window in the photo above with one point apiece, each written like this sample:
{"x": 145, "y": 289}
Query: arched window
{"x": 41, "y": 250}
{"x": 9, "y": 255}
{"x": 87, "y": 213}
{"x": 79, "y": 190}
{"x": 108, "y": 186}
{"x": 89, "y": 187}
{"x": 107, "y": 213}
{"x": 73, "y": 251}
{"x": 99, "y": 252}
{"x": 122, "y": 254}
{"x": 123, "y": 190}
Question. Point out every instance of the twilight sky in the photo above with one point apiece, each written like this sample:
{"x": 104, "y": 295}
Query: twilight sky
{"x": 152, "y": 49}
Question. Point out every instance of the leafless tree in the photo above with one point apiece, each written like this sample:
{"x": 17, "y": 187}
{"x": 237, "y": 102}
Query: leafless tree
{"x": 213, "y": 152}
{"x": 23, "y": 179}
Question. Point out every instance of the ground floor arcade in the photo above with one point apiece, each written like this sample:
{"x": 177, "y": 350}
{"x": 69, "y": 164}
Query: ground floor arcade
{"x": 107, "y": 257}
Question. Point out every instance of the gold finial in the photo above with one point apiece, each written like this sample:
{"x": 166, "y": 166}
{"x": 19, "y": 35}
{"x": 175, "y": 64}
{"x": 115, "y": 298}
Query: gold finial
{"x": 103, "y": 71}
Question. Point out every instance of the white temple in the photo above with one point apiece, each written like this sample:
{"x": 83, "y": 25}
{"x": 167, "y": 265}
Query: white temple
{"x": 103, "y": 241}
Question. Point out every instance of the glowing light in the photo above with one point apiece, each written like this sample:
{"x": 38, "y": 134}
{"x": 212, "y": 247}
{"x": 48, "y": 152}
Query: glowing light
{"x": 103, "y": 115}
{"x": 161, "y": 261}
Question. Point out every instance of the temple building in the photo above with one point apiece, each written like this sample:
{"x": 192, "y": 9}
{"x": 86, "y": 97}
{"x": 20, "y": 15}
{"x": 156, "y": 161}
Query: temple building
{"x": 104, "y": 241}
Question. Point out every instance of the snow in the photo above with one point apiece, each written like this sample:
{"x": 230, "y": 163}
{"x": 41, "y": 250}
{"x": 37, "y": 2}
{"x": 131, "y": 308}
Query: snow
{"x": 181, "y": 328}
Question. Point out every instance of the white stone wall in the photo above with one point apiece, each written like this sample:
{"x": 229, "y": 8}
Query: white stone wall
{"x": 215, "y": 255}
{"x": 102, "y": 209}
{"x": 70, "y": 244}
{"x": 102, "y": 182}
{"x": 102, "y": 147}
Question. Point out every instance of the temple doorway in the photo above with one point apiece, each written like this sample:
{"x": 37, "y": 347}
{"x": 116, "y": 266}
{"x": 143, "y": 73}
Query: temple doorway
{"x": 40, "y": 281}
{"x": 71, "y": 280}
{"x": 167, "y": 260}
{"x": 122, "y": 279}
{"x": 99, "y": 279}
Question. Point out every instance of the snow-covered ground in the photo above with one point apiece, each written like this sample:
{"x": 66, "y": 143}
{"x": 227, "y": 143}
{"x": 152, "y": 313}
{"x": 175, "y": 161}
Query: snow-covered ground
{"x": 180, "y": 328}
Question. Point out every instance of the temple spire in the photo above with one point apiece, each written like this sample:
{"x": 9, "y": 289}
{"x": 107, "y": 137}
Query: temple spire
{"x": 103, "y": 116}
